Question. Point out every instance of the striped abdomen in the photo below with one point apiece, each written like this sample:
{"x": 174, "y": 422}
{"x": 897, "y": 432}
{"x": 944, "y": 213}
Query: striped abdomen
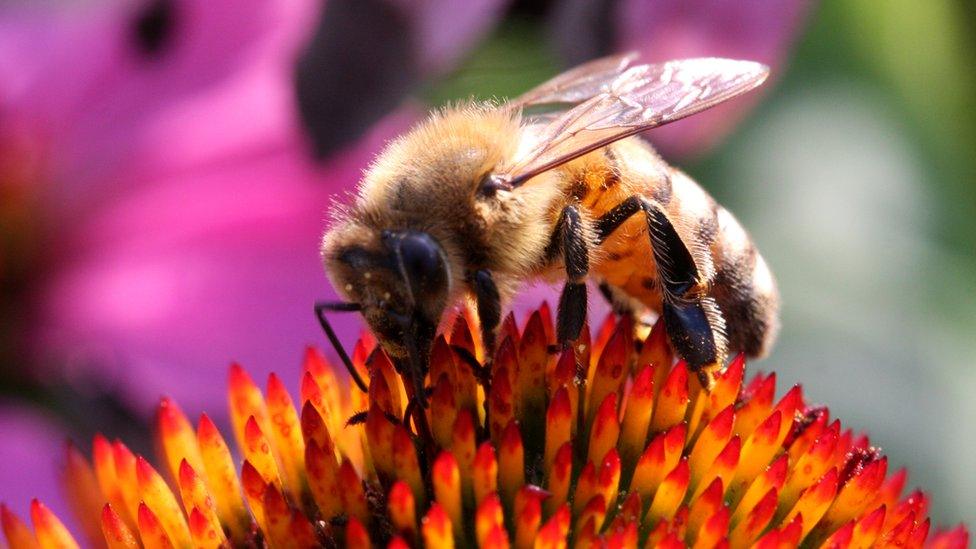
{"x": 732, "y": 271}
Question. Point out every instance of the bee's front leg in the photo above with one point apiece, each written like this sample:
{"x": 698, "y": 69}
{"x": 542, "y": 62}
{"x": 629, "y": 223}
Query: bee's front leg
{"x": 569, "y": 239}
{"x": 489, "y": 304}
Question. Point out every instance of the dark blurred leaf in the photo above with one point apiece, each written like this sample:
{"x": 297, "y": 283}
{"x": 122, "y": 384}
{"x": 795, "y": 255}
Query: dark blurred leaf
{"x": 359, "y": 65}
{"x": 532, "y": 9}
{"x": 153, "y": 26}
{"x": 84, "y": 406}
{"x": 583, "y": 29}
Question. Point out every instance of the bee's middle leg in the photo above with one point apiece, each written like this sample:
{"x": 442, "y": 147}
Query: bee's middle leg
{"x": 692, "y": 319}
{"x": 569, "y": 239}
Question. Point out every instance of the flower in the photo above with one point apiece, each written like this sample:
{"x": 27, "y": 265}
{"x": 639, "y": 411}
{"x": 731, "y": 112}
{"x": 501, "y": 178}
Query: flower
{"x": 608, "y": 442}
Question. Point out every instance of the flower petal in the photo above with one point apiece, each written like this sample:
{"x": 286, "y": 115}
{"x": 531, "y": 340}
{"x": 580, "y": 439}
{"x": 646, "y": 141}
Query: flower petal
{"x": 93, "y": 93}
{"x": 174, "y": 278}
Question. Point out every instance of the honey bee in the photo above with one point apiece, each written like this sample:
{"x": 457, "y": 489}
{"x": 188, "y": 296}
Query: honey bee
{"x": 554, "y": 185}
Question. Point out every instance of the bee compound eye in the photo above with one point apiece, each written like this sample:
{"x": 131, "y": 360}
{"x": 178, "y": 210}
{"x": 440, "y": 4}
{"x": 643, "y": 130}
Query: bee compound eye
{"x": 421, "y": 260}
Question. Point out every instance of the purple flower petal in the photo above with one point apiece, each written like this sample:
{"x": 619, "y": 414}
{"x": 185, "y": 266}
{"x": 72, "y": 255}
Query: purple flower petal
{"x": 78, "y": 82}
{"x": 32, "y": 455}
{"x": 531, "y": 296}
{"x": 159, "y": 289}
{"x": 446, "y": 29}
{"x": 757, "y": 30}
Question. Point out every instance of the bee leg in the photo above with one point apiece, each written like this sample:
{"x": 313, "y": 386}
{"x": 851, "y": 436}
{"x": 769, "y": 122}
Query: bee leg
{"x": 569, "y": 237}
{"x": 609, "y": 222}
{"x": 489, "y": 304}
{"x": 489, "y": 309}
{"x": 328, "y": 306}
{"x": 691, "y": 317}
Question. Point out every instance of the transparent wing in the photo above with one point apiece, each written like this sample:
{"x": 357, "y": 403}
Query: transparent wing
{"x": 640, "y": 98}
{"x": 579, "y": 83}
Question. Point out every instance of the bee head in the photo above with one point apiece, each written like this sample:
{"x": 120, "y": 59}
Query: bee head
{"x": 401, "y": 281}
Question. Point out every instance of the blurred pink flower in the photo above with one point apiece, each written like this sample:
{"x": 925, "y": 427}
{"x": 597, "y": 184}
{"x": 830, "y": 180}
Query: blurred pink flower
{"x": 219, "y": 263}
{"x": 757, "y": 30}
{"x": 172, "y": 181}
{"x": 179, "y": 204}
{"x": 93, "y": 88}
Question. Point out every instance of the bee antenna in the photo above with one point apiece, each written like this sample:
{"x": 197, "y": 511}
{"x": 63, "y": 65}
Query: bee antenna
{"x": 321, "y": 308}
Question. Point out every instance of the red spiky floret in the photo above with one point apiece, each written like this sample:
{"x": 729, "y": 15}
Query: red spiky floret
{"x": 611, "y": 442}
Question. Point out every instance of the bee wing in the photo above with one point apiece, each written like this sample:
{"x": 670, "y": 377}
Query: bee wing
{"x": 640, "y": 98}
{"x": 578, "y": 84}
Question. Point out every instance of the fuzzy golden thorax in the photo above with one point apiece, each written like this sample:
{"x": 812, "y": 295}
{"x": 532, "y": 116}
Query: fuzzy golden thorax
{"x": 425, "y": 184}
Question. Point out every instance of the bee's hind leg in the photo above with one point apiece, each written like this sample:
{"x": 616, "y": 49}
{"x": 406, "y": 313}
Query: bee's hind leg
{"x": 692, "y": 318}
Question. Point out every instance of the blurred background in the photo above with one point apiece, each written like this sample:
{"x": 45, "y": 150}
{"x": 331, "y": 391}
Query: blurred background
{"x": 166, "y": 167}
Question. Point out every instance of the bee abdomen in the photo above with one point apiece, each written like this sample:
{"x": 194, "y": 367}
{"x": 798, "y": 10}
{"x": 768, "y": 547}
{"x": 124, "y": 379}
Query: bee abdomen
{"x": 744, "y": 288}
